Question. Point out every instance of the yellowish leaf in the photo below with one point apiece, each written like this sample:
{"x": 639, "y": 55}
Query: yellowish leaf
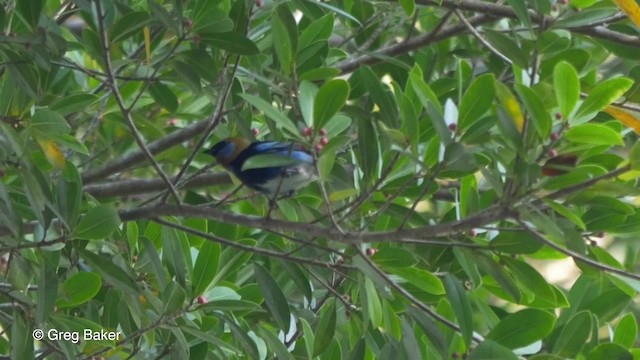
{"x": 52, "y": 153}
{"x": 631, "y": 9}
{"x": 514, "y": 110}
{"x": 510, "y": 105}
{"x": 624, "y": 117}
{"x": 147, "y": 44}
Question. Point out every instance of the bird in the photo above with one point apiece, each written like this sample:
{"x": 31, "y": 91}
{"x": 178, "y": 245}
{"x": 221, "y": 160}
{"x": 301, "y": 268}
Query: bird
{"x": 232, "y": 153}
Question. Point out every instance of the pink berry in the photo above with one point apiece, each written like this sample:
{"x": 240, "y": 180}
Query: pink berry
{"x": 259, "y": 3}
{"x": 554, "y": 137}
{"x": 307, "y": 131}
{"x": 319, "y": 147}
{"x": 323, "y": 132}
{"x": 453, "y": 127}
{"x": 553, "y": 153}
{"x": 202, "y": 300}
{"x": 255, "y": 131}
{"x": 473, "y": 232}
{"x": 564, "y": 2}
{"x": 371, "y": 251}
{"x": 187, "y": 23}
{"x": 324, "y": 141}
{"x": 558, "y": 116}
{"x": 554, "y": 7}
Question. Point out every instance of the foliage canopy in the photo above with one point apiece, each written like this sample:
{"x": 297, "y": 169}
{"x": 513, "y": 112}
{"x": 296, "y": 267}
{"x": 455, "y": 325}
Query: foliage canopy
{"x": 462, "y": 147}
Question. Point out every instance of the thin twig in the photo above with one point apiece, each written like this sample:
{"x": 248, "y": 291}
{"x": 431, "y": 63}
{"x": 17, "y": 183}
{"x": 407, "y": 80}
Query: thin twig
{"x": 576, "y": 257}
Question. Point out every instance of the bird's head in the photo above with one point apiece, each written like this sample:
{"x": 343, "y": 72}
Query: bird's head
{"x": 228, "y": 149}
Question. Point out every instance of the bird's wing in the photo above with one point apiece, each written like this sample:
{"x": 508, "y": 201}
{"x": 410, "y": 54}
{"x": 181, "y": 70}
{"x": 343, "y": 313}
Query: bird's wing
{"x": 292, "y": 150}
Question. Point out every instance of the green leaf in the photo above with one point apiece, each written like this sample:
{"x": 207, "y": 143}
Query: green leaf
{"x": 634, "y": 156}
{"x": 173, "y": 297}
{"x": 507, "y": 47}
{"x": 73, "y": 103}
{"x": 318, "y": 31}
{"x": 128, "y": 25}
{"x": 381, "y": 95}
{"x": 163, "y": 95}
{"x": 49, "y": 122}
{"x": 422, "y": 279}
{"x": 111, "y": 273}
{"x": 206, "y": 267}
{"x": 21, "y": 338}
{"x": 515, "y": 242}
{"x": 208, "y": 18}
{"x": 595, "y": 134}
{"x": 609, "y": 351}
{"x": 507, "y": 284}
{"x": 174, "y": 253}
{"x": 395, "y": 258}
{"x": 489, "y": 350}
{"x": 79, "y": 288}
{"x": 531, "y": 280}
{"x": 298, "y": 277}
{"x": 98, "y": 223}
{"x": 231, "y": 42}
{"x": 521, "y": 10}
{"x": 566, "y": 212}
{"x": 330, "y": 99}
{"x": 584, "y": 18}
{"x": 457, "y": 296}
{"x": 408, "y": 6}
{"x": 336, "y": 10}
{"x": 566, "y": 86}
{"x": 372, "y": 304}
{"x": 285, "y": 36}
{"x": 626, "y": 331}
{"x": 367, "y": 151}
{"x": 434, "y": 334}
{"x": 275, "y": 344}
{"x": 603, "y": 95}
{"x": 308, "y": 93}
{"x": 522, "y": 328}
{"x": 240, "y": 335}
{"x": 574, "y": 335}
{"x": 47, "y": 289}
{"x": 476, "y": 101}
{"x": 326, "y": 329}
{"x": 273, "y": 297}
{"x": 535, "y": 107}
{"x": 272, "y": 113}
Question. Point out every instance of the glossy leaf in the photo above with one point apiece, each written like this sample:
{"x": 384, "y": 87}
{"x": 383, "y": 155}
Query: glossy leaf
{"x": 98, "y": 223}
{"x": 330, "y": 99}
{"x": 461, "y": 307}
{"x": 273, "y": 297}
{"x": 326, "y": 329}
{"x": 567, "y": 87}
{"x": 595, "y": 134}
{"x": 522, "y": 328}
{"x": 476, "y": 100}
{"x": 603, "y": 95}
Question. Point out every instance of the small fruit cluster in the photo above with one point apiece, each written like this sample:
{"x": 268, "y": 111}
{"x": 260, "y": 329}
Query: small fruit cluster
{"x": 310, "y": 133}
